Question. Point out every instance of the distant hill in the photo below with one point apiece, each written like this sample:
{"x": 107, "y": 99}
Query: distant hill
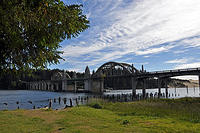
{"x": 179, "y": 83}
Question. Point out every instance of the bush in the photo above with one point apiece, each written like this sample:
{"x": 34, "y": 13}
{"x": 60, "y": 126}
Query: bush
{"x": 125, "y": 122}
{"x": 96, "y": 106}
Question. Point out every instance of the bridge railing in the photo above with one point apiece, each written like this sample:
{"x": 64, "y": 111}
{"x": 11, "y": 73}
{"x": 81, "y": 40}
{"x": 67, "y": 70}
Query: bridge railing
{"x": 176, "y": 70}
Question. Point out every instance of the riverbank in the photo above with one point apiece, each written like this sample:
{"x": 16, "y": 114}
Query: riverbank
{"x": 164, "y": 115}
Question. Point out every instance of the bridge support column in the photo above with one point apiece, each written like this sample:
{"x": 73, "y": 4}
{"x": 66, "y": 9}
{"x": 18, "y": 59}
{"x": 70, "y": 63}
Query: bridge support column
{"x": 45, "y": 85}
{"x": 64, "y": 85}
{"x": 101, "y": 85}
{"x": 57, "y": 87}
{"x": 166, "y": 89}
{"x": 48, "y": 86}
{"x": 144, "y": 88}
{"x": 87, "y": 81}
{"x": 133, "y": 85}
{"x": 97, "y": 85}
{"x": 87, "y": 85}
{"x": 199, "y": 82}
{"x": 75, "y": 86}
{"x": 159, "y": 87}
{"x": 40, "y": 85}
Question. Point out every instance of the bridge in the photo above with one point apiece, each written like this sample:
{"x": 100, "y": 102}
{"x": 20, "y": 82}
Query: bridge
{"x": 112, "y": 75}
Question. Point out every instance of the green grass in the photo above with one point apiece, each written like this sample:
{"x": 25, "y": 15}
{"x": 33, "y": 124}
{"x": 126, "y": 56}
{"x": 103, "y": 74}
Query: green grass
{"x": 163, "y": 115}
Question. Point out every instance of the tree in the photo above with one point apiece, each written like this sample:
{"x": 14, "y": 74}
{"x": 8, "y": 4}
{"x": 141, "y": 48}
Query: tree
{"x": 31, "y": 30}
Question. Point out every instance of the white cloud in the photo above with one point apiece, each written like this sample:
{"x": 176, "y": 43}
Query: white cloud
{"x": 190, "y": 65}
{"x": 177, "y": 61}
{"x": 180, "y": 51}
{"x": 153, "y": 50}
{"x": 135, "y": 27}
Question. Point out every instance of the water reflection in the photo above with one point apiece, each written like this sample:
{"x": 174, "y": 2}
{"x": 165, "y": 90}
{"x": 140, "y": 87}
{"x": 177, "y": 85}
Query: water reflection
{"x": 173, "y": 92}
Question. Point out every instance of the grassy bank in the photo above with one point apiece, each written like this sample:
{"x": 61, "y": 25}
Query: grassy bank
{"x": 180, "y": 115}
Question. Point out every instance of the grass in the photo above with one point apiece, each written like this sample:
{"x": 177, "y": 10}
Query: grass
{"x": 163, "y": 115}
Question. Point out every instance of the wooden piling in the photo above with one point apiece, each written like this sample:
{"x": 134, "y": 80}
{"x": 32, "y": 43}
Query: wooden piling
{"x": 59, "y": 100}
{"x": 76, "y": 102}
{"x": 70, "y": 102}
{"x": 50, "y": 104}
{"x": 65, "y": 100}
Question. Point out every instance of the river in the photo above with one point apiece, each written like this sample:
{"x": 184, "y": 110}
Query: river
{"x": 28, "y": 98}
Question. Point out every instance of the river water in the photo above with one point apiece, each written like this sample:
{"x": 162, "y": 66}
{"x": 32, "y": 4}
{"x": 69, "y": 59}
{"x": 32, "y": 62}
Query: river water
{"x": 27, "y": 98}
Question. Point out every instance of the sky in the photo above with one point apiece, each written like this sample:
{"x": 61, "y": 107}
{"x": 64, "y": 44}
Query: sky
{"x": 159, "y": 34}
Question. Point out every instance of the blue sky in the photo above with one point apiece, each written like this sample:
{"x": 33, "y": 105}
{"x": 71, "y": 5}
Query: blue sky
{"x": 160, "y": 34}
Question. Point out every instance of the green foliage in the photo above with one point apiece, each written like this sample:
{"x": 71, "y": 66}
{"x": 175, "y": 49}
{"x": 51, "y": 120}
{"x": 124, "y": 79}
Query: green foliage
{"x": 154, "y": 116}
{"x": 31, "y": 30}
{"x": 96, "y": 106}
{"x": 125, "y": 122}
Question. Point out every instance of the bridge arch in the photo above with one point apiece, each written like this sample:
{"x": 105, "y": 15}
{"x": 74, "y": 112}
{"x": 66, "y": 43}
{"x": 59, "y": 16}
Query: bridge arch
{"x": 110, "y": 65}
{"x": 115, "y": 75}
{"x": 60, "y": 76}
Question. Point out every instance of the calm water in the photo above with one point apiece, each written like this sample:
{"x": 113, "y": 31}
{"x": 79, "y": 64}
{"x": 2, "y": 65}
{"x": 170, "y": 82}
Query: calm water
{"x": 40, "y": 98}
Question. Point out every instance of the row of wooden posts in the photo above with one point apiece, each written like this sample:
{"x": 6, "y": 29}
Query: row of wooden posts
{"x": 118, "y": 97}
{"x": 86, "y": 99}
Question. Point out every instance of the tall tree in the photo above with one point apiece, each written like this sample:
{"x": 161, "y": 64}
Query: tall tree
{"x": 31, "y": 30}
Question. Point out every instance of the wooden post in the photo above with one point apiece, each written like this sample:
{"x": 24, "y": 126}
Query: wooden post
{"x": 71, "y": 102}
{"x": 17, "y": 104}
{"x": 50, "y": 103}
{"x": 187, "y": 89}
{"x": 175, "y": 89}
{"x": 76, "y": 102}
{"x": 65, "y": 100}
{"x": 59, "y": 99}
{"x": 82, "y": 100}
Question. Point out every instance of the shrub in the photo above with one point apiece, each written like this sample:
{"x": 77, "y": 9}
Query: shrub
{"x": 96, "y": 106}
{"x": 125, "y": 122}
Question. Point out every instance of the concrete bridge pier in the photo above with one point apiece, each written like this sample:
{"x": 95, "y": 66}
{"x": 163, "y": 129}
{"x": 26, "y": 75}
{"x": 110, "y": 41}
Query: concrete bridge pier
{"x": 75, "y": 86}
{"x": 144, "y": 88}
{"x": 159, "y": 87}
{"x": 40, "y": 85}
{"x": 48, "y": 86}
{"x": 134, "y": 85}
{"x": 87, "y": 85}
{"x": 97, "y": 85}
{"x": 75, "y": 82}
{"x": 199, "y": 82}
{"x": 64, "y": 85}
{"x": 57, "y": 87}
{"x": 88, "y": 81}
{"x": 45, "y": 86}
{"x": 166, "y": 88}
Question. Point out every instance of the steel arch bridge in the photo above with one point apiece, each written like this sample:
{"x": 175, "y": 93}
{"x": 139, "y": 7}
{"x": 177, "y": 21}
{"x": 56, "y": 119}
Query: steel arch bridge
{"x": 115, "y": 68}
{"x": 116, "y": 75}
{"x": 125, "y": 76}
